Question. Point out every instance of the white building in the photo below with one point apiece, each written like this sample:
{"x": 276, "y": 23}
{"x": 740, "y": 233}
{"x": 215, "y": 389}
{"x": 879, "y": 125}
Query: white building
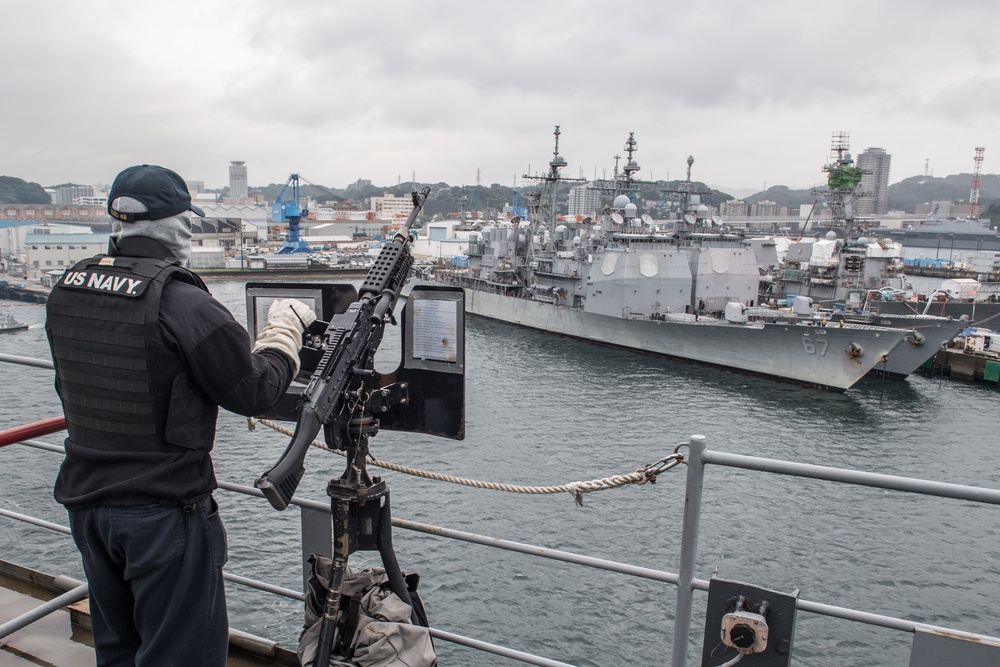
{"x": 439, "y": 240}
{"x": 390, "y": 206}
{"x": 342, "y": 229}
{"x": 101, "y": 201}
{"x": 14, "y": 233}
{"x": 210, "y": 257}
{"x": 49, "y": 252}
{"x": 257, "y": 217}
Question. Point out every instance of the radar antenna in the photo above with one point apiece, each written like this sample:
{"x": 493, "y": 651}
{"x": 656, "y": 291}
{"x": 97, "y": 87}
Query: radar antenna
{"x": 624, "y": 182}
{"x": 542, "y": 203}
{"x": 690, "y": 200}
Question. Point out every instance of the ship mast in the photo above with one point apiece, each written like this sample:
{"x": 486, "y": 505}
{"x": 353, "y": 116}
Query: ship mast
{"x": 631, "y": 167}
{"x": 843, "y": 186}
{"x": 542, "y": 203}
{"x": 625, "y": 182}
{"x": 690, "y": 200}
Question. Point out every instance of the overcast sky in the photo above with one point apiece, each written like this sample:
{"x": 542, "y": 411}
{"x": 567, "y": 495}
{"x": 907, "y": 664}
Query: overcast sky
{"x": 337, "y": 90}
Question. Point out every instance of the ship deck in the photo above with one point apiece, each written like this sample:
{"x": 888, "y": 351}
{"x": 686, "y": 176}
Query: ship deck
{"x": 64, "y": 637}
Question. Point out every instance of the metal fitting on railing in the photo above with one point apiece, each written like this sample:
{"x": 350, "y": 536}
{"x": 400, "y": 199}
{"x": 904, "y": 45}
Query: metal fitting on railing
{"x": 666, "y": 463}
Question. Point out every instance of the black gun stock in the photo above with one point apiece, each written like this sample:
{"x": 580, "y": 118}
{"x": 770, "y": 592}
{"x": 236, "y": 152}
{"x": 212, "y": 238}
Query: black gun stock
{"x": 279, "y": 483}
{"x": 351, "y": 340}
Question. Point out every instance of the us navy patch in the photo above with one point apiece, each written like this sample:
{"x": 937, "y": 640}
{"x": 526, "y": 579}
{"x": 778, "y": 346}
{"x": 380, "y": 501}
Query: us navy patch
{"x": 97, "y": 281}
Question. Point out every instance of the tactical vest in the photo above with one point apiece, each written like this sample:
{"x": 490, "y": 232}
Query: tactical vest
{"x": 121, "y": 387}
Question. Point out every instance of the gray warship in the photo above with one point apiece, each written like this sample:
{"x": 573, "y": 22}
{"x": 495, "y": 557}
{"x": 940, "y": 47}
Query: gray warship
{"x": 619, "y": 279}
{"x": 851, "y": 272}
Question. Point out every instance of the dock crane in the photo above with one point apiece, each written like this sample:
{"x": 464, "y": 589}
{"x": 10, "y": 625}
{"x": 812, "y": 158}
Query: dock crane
{"x": 287, "y": 209}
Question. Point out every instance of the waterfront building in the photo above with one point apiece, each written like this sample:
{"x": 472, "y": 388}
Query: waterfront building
{"x": 53, "y": 212}
{"x": 874, "y": 164}
{"x": 443, "y": 240}
{"x": 339, "y": 230}
{"x": 59, "y": 251}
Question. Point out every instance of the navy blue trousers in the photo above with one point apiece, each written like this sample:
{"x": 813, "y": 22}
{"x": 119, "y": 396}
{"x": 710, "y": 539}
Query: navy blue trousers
{"x": 157, "y": 596}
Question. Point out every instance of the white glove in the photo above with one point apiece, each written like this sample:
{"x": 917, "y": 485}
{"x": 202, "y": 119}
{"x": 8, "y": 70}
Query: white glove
{"x": 286, "y": 320}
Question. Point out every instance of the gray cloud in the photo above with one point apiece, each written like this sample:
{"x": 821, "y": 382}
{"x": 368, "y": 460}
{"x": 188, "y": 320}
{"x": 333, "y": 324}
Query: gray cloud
{"x": 382, "y": 89}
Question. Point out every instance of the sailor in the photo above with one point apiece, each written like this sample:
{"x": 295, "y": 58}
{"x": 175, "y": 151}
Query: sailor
{"x": 144, "y": 357}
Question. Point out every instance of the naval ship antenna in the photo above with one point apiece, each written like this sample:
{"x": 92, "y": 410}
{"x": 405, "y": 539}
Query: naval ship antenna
{"x": 624, "y": 181}
{"x": 844, "y": 187}
{"x": 542, "y": 203}
{"x": 690, "y": 200}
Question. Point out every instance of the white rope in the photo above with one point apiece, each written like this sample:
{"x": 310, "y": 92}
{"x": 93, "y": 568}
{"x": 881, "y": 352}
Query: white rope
{"x": 730, "y": 663}
{"x": 576, "y": 489}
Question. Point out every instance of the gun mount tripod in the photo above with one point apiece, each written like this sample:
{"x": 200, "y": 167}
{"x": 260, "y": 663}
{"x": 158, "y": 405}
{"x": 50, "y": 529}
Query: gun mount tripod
{"x": 425, "y": 394}
{"x": 362, "y": 521}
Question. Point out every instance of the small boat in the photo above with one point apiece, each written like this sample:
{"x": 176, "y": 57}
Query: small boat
{"x": 8, "y": 323}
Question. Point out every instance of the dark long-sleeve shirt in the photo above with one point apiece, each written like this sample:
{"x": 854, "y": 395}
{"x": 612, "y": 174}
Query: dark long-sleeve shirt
{"x": 215, "y": 350}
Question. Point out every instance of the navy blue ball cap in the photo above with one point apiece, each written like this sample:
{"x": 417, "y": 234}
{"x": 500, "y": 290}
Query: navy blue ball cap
{"x": 162, "y": 191}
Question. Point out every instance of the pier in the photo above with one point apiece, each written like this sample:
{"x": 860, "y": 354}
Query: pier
{"x": 23, "y": 292}
{"x": 965, "y": 365}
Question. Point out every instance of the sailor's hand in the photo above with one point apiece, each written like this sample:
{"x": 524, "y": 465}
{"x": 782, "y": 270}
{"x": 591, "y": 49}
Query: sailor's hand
{"x": 291, "y": 308}
{"x": 286, "y": 320}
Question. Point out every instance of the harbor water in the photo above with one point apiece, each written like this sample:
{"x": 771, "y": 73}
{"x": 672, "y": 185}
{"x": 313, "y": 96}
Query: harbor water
{"x": 544, "y": 410}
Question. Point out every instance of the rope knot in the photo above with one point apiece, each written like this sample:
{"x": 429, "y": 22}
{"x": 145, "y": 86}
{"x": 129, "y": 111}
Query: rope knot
{"x": 576, "y": 490}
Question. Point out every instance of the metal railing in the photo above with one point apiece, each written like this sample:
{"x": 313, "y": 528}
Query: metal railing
{"x": 316, "y": 537}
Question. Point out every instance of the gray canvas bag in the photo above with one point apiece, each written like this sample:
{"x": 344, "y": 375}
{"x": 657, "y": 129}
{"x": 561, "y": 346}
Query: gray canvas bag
{"x": 378, "y": 621}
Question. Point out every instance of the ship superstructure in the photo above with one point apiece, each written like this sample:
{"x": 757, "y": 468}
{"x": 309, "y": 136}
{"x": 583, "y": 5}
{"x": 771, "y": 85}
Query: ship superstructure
{"x": 849, "y": 257}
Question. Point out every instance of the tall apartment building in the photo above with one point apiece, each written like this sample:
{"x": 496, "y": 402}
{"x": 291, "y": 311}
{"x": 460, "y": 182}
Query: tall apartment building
{"x": 763, "y": 209}
{"x": 734, "y": 208}
{"x": 237, "y": 180}
{"x": 68, "y": 194}
{"x": 584, "y": 199}
{"x": 875, "y": 164}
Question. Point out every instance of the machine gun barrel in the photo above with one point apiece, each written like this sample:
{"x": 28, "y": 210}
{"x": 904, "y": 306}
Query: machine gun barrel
{"x": 349, "y": 343}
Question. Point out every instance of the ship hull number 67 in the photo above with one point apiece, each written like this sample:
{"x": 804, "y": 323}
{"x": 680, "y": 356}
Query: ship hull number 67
{"x": 816, "y": 347}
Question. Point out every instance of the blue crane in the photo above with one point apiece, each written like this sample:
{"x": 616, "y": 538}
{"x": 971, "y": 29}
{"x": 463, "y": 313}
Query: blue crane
{"x": 286, "y": 209}
{"x": 517, "y": 206}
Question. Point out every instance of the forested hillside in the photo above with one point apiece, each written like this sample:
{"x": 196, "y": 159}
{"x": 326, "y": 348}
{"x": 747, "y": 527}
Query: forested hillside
{"x": 17, "y": 191}
{"x": 903, "y": 196}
